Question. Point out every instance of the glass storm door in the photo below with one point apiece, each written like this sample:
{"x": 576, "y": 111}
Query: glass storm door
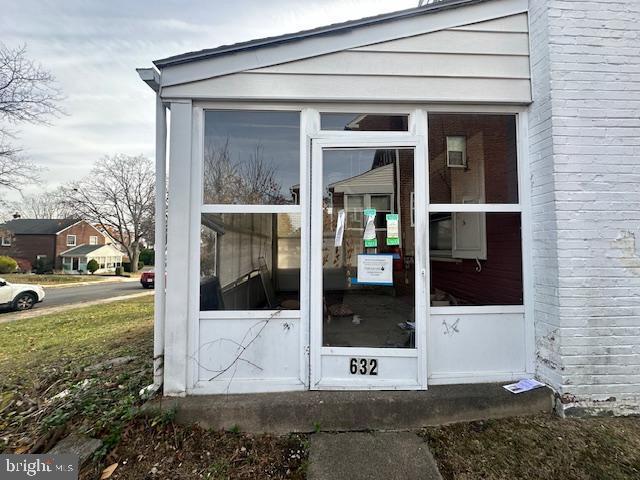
{"x": 368, "y": 320}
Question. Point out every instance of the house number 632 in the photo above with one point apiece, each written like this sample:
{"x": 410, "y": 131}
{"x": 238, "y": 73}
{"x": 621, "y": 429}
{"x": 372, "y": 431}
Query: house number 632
{"x": 363, "y": 366}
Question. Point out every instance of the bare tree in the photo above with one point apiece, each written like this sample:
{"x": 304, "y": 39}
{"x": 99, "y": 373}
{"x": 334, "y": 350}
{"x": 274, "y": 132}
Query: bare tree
{"x": 46, "y": 204}
{"x": 28, "y": 94}
{"x": 254, "y": 181}
{"x": 118, "y": 195}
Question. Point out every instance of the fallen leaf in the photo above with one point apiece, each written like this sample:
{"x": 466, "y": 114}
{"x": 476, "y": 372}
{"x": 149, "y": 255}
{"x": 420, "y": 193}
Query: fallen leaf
{"x": 22, "y": 449}
{"x": 107, "y": 472}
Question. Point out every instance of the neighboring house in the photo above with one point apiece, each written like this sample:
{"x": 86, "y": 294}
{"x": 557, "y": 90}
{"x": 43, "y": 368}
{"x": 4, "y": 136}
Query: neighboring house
{"x": 491, "y": 147}
{"x": 29, "y": 239}
{"x": 75, "y": 259}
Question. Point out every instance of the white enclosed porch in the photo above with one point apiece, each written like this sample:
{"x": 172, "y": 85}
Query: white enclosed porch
{"x": 299, "y": 174}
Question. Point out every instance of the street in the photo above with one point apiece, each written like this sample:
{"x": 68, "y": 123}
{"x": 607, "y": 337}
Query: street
{"x": 79, "y": 294}
{"x": 87, "y": 293}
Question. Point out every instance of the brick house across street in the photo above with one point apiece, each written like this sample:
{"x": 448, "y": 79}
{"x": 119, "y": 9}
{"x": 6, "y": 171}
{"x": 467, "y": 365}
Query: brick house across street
{"x": 443, "y": 195}
{"x": 54, "y": 240}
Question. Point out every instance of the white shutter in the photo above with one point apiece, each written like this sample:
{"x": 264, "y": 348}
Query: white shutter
{"x": 469, "y": 235}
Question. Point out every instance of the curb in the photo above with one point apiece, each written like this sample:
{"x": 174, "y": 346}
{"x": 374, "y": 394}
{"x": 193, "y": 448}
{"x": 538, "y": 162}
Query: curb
{"x": 38, "y": 312}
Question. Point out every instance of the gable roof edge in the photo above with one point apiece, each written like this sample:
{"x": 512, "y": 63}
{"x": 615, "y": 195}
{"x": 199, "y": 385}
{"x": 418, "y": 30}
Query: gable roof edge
{"x": 246, "y": 56}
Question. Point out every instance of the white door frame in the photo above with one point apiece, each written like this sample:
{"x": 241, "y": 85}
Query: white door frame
{"x": 317, "y": 351}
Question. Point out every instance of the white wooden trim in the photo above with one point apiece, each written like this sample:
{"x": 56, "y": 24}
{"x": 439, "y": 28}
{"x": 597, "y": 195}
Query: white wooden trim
{"x": 247, "y": 385}
{"x": 197, "y": 149}
{"x": 475, "y": 207}
{"x": 379, "y": 139}
{"x": 359, "y": 107}
{"x": 159, "y": 301}
{"x": 477, "y": 310}
{"x": 232, "y": 208}
{"x": 249, "y": 314}
{"x": 178, "y": 267}
{"x": 318, "y": 381}
{"x": 418, "y": 124}
{"x": 524, "y": 193}
{"x": 309, "y": 122}
{"x": 474, "y": 377}
{"x": 366, "y": 384}
{"x": 369, "y": 352}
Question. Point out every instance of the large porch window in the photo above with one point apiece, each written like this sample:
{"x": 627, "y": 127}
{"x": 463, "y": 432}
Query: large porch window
{"x": 250, "y": 234}
{"x": 475, "y": 240}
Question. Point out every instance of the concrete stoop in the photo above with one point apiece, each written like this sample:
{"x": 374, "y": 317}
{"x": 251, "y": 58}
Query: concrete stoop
{"x": 370, "y": 456}
{"x": 353, "y": 411}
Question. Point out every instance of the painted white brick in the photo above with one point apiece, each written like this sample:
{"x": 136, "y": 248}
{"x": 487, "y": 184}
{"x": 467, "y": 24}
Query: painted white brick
{"x": 584, "y": 144}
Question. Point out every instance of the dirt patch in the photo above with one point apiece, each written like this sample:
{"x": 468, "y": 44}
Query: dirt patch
{"x": 542, "y": 447}
{"x": 155, "y": 449}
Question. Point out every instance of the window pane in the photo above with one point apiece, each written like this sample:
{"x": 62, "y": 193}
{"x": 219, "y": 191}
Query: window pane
{"x": 472, "y": 158}
{"x": 364, "y": 122}
{"x": 250, "y": 261}
{"x": 368, "y": 277}
{"x": 476, "y": 259}
{"x": 251, "y": 157}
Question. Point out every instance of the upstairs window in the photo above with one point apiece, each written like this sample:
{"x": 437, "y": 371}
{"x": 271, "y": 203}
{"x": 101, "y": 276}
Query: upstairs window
{"x": 5, "y": 241}
{"x": 93, "y": 240}
{"x": 71, "y": 240}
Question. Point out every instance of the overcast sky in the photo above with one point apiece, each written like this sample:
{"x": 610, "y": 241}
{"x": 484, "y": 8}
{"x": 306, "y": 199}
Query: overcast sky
{"x": 94, "y": 47}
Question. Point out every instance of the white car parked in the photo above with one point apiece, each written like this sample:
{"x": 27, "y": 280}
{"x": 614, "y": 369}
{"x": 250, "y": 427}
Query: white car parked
{"x": 19, "y": 296}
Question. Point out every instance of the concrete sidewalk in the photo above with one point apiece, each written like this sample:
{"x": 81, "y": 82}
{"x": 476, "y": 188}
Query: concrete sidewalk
{"x": 370, "y": 456}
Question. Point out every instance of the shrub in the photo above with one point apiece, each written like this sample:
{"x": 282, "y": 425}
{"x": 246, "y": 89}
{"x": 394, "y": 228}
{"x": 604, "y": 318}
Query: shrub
{"x": 93, "y": 266}
{"x": 147, "y": 256}
{"x": 44, "y": 265}
{"x": 7, "y": 265}
{"x": 119, "y": 271}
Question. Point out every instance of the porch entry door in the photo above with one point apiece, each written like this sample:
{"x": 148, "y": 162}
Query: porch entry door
{"x": 368, "y": 269}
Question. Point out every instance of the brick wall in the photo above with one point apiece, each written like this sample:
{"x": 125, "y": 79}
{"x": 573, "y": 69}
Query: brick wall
{"x": 28, "y": 247}
{"x": 585, "y": 163}
{"x": 83, "y": 231}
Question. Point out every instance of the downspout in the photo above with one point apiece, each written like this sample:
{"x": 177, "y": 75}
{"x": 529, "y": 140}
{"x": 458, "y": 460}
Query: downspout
{"x": 152, "y": 78}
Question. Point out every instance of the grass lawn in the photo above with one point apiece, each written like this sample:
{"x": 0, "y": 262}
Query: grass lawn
{"x": 51, "y": 279}
{"x": 538, "y": 448}
{"x": 46, "y": 393}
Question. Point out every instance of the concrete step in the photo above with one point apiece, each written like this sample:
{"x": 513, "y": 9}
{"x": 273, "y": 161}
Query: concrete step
{"x": 370, "y": 456}
{"x": 340, "y": 411}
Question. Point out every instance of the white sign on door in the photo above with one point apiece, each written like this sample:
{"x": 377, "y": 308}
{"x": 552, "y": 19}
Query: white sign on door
{"x": 375, "y": 269}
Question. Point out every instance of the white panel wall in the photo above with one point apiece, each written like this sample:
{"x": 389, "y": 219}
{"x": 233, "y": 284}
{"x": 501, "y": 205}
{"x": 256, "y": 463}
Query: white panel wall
{"x": 270, "y": 361}
{"x": 480, "y": 62}
{"x": 481, "y": 347}
{"x": 586, "y": 181}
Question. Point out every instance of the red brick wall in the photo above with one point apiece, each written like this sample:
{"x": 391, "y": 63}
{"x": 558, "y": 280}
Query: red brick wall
{"x": 82, "y": 231}
{"x": 500, "y": 280}
{"x": 28, "y": 247}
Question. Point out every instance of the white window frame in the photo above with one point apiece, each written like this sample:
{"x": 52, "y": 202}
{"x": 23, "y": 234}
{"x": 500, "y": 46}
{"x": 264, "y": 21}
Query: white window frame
{"x": 75, "y": 240}
{"x": 310, "y": 126}
{"x": 93, "y": 240}
{"x": 199, "y": 208}
{"x": 6, "y": 241}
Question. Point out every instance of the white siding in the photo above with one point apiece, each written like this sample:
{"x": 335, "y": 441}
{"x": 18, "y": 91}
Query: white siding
{"x": 482, "y": 62}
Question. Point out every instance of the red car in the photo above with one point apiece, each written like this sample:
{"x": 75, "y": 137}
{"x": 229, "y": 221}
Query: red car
{"x": 147, "y": 279}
